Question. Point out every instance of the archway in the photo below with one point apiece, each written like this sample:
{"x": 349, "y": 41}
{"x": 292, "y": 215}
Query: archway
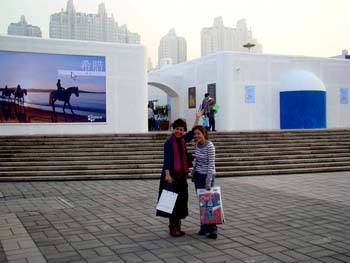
{"x": 173, "y": 111}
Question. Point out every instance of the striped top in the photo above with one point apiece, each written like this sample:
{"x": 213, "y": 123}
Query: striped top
{"x": 205, "y": 160}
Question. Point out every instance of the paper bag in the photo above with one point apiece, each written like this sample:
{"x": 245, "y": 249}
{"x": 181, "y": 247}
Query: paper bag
{"x": 167, "y": 201}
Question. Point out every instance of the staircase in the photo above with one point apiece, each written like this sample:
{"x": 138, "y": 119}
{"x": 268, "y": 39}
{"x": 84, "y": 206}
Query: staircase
{"x": 134, "y": 156}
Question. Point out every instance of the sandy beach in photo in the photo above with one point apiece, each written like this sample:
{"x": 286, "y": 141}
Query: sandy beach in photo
{"x": 11, "y": 112}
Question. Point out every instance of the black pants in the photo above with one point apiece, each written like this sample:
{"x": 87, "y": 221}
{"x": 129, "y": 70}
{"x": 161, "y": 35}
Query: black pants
{"x": 151, "y": 124}
{"x": 211, "y": 123}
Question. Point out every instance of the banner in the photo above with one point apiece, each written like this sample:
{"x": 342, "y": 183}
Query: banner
{"x": 44, "y": 88}
{"x": 344, "y": 95}
{"x": 249, "y": 96}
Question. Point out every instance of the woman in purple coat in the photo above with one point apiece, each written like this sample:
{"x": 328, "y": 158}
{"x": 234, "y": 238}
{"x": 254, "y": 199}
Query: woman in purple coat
{"x": 175, "y": 173}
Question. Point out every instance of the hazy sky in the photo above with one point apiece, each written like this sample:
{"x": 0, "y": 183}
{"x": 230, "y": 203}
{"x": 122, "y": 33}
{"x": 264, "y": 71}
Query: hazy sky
{"x": 291, "y": 27}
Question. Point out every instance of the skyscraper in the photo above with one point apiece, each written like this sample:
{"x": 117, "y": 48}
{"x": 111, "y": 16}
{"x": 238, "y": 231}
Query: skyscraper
{"x": 22, "y": 28}
{"x": 70, "y": 24}
{"x": 172, "y": 46}
{"x": 221, "y": 38}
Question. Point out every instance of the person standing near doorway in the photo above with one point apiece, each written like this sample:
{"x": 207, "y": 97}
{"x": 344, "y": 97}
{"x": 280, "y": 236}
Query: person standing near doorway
{"x": 208, "y": 107}
{"x": 150, "y": 118}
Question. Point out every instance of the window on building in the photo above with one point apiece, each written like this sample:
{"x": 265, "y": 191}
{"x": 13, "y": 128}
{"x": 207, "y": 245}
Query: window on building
{"x": 212, "y": 90}
{"x": 192, "y": 97}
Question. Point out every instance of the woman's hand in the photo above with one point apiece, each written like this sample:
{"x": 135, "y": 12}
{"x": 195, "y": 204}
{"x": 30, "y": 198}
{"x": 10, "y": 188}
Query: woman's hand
{"x": 199, "y": 113}
{"x": 208, "y": 186}
{"x": 168, "y": 178}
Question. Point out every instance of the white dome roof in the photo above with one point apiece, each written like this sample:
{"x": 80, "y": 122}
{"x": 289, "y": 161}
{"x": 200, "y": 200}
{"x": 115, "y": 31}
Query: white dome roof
{"x": 301, "y": 80}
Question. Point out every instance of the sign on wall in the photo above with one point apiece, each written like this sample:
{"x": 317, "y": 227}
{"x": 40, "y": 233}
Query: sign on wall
{"x": 344, "y": 95}
{"x": 45, "y": 88}
{"x": 249, "y": 94}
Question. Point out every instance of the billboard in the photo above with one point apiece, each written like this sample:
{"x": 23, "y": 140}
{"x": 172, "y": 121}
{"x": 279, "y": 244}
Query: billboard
{"x": 46, "y": 88}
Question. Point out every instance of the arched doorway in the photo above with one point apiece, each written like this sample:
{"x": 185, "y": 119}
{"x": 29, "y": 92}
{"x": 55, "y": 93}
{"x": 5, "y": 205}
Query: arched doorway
{"x": 173, "y": 108}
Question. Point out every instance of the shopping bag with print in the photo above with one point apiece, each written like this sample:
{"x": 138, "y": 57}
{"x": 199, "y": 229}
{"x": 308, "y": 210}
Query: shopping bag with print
{"x": 167, "y": 201}
{"x": 210, "y": 206}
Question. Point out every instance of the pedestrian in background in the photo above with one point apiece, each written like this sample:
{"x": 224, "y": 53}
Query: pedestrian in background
{"x": 150, "y": 118}
{"x": 208, "y": 104}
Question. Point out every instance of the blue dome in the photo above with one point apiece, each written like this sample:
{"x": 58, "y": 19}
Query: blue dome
{"x": 300, "y": 80}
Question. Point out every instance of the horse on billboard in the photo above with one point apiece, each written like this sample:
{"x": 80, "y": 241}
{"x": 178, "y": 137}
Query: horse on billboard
{"x": 63, "y": 95}
{"x": 6, "y": 93}
{"x": 19, "y": 94}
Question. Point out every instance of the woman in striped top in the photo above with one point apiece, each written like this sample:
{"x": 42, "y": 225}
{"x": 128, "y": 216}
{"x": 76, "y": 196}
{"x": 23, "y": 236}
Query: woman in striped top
{"x": 204, "y": 170}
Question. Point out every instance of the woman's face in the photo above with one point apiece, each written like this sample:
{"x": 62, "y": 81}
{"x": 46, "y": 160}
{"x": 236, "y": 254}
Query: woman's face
{"x": 179, "y": 132}
{"x": 198, "y": 136}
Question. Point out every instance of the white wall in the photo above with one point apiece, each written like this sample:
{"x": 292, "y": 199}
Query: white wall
{"x": 232, "y": 71}
{"x": 126, "y": 85}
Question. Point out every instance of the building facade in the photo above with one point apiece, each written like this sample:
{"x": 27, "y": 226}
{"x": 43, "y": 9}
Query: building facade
{"x": 221, "y": 38}
{"x": 22, "y": 28}
{"x": 70, "y": 24}
{"x": 260, "y": 91}
{"x": 172, "y": 46}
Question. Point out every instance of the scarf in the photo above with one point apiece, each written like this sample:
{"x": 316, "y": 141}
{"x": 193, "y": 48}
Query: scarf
{"x": 177, "y": 157}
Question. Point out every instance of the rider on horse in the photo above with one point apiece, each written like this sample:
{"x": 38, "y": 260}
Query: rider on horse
{"x": 59, "y": 87}
{"x": 18, "y": 91}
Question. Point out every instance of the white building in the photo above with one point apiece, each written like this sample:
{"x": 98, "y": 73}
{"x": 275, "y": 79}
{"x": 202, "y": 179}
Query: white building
{"x": 260, "y": 91}
{"x": 221, "y": 38}
{"x": 172, "y": 46}
{"x": 22, "y": 28}
{"x": 70, "y": 24}
{"x": 344, "y": 54}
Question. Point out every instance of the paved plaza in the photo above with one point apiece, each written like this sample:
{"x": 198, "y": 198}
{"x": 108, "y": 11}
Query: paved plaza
{"x": 286, "y": 218}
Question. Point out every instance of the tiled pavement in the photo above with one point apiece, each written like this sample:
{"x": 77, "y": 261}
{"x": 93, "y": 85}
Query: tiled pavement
{"x": 289, "y": 218}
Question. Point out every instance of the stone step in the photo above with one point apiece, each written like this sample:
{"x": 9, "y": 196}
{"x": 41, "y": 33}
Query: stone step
{"x": 281, "y": 153}
{"x": 152, "y": 146}
{"x": 156, "y": 176}
{"x": 150, "y": 141}
{"x": 154, "y": 150}
{"x": 318, "y": 134}
{"x": 112, "y": 170}
{"x": 128, "y": 156}
{"x": 37, "y": 160}
{"x": 155, "y": 163}
{"x": 284, "y": 171}
{"x": 159, "y": 154}
{"x": 218, "y": 162}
